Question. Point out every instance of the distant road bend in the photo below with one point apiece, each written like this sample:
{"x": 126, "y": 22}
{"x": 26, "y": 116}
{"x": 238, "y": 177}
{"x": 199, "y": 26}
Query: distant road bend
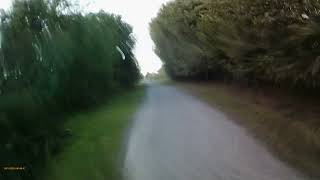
{"x": 177, "y": 137}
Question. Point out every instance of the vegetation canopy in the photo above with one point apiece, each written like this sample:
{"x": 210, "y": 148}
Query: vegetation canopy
{"x": 55, "y": 60}
{"x": 257, "y": 41}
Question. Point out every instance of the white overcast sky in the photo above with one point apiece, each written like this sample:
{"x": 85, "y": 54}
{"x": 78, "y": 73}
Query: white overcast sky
{"x": 138, "y": 13}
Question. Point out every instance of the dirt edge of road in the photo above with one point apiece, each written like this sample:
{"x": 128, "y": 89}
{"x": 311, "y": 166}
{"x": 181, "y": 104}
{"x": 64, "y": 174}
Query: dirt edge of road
{"x": 289, "y": 126}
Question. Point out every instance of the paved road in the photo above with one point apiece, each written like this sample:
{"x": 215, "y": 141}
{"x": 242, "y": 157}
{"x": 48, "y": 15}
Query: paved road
{"x": 177, "y": 137}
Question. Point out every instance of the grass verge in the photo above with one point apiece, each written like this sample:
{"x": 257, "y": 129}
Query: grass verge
{"x": 289, "y": 126}
{"x": 93, "y": 151}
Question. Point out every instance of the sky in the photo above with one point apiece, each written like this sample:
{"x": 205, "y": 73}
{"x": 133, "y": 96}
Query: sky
{"x": 138, "y": 13}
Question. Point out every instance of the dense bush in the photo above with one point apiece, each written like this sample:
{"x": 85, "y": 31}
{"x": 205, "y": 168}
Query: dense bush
{"x": 55, "y": 60}
{"x": 272, "y": 41}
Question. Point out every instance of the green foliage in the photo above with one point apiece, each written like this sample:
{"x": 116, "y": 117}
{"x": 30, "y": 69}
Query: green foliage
{"x": 269, "y": 41}
{"x": 94, "y": 151}
{"x": 55, "y": 61}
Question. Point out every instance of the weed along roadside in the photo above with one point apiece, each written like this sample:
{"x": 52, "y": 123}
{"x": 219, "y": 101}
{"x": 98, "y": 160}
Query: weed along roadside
{"x": 58, "y": 60}
{"x": 94, "y": 149}
{"x": 287, "y": 127}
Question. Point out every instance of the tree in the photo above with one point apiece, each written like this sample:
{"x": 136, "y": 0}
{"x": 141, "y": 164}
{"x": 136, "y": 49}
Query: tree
{"x": 260, "y": 41}
{"x": 55, "y": 60}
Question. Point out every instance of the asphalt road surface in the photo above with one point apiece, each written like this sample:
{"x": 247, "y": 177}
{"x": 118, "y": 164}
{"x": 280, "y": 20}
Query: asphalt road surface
{"x": 177, "y": 137}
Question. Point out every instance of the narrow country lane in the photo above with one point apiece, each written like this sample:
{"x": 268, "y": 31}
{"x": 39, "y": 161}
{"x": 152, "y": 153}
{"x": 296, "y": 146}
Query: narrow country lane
{"x": 177, "y": 137}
